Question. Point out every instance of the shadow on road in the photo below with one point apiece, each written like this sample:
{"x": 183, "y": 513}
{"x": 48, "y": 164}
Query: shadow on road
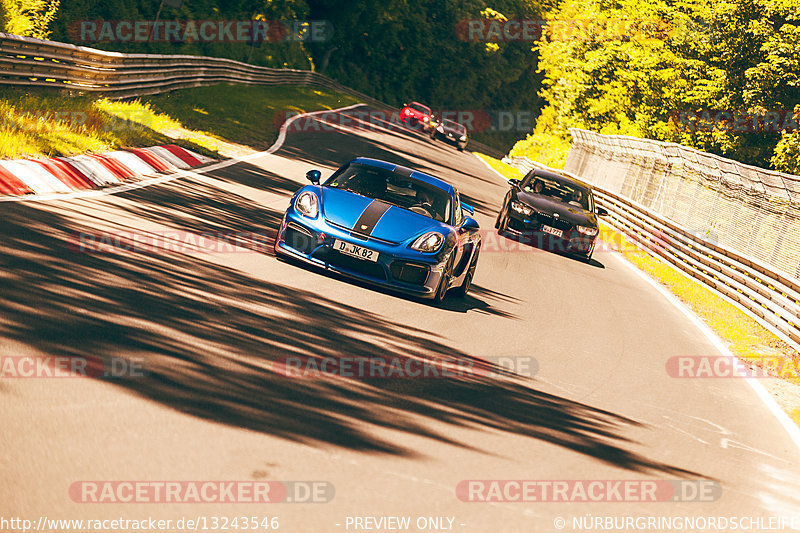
{"x": 210, "y": 337}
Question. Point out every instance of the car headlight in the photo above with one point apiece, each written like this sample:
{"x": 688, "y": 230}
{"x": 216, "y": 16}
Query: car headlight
{"x": 307, "y": 204}
{"x": 521, "y": 208}
{"x": 591, "y": 232}
{"x": 440, "y": 129}
{"x": 429, "y": 242}
{"x": 425, "y": 119}
{"x": 463, "y": 138}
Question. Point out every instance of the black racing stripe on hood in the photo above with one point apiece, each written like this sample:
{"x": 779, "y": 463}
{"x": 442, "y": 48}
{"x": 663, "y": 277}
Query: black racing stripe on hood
{"x": 369, "y": 219}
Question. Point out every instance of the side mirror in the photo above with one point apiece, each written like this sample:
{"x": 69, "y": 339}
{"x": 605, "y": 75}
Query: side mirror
{"x": 601, "y": 212}
{"x": 468, "y": 208}
{"x": 514, "y": 182}
{"x": 314, "y": 176}
{"x": 470, "y": 224}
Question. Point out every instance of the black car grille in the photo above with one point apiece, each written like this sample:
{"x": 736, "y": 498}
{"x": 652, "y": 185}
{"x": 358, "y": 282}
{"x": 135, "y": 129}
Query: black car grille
{"x": 300, "y": 240}
{"x": 548, "y": 220}
{"x": 357, "y": 266}
{"x": 409, "y": 272}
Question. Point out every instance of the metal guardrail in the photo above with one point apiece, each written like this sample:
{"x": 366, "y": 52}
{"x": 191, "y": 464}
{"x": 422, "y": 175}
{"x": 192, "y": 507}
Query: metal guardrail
{"x": 769, "y": 296}
{"x": 753, "y": 210}
{"x": 34, "y": 62}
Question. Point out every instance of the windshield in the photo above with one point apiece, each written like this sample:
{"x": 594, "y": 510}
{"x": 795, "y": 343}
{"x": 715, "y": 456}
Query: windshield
{"x": 402, "y": 191}
{"x": 454, "y": 126}
{"x": 564, "y": 191}
{"x": 421, "y": 108}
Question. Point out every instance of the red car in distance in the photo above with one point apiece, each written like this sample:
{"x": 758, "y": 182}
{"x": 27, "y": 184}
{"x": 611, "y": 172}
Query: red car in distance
{"x": 417, "y": 116}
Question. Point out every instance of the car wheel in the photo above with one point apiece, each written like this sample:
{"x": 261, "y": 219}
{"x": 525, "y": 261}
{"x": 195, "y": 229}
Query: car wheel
{"x": 444, "y": 282}
{"x": 467, "y": 283}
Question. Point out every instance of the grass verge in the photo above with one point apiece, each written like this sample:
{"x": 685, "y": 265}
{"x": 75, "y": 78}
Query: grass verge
{"x": 215, "y": 120}
{"x": 747, "y": 339}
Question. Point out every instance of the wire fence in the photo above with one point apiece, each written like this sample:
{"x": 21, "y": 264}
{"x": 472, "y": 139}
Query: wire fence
{"x": 748, "y": 209}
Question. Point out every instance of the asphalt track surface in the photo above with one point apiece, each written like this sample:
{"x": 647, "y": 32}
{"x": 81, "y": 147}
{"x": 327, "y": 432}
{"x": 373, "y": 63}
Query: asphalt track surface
{"x": 208, "y": 327}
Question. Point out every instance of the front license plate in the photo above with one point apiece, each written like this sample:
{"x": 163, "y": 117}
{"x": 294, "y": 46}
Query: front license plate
{"x": 355, "y": 250}
{"x": 553, "y": 231}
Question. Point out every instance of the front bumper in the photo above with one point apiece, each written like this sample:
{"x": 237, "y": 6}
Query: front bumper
{"x": 530, "y": 228}
{"x": 416, "y": 124}
{"x": 451, "y": 140}
{"x": 398, "y": 267}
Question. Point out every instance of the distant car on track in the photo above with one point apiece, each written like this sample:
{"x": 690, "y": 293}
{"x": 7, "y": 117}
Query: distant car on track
{"x": 417, "y": 116}
{"x": 384, "y": 224}
{"x": 556, "y": 209}
{"x": 451, "y": 132}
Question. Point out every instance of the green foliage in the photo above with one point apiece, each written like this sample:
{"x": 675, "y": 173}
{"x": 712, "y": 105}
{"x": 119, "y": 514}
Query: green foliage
{"x": 280, "y": 54}
{"x": 29, "y": 18}
{"x": 787, "y": 153}
{"x": 393, "y": 50}
{"x": 737, "y": 55}
{"x": 399, "y": 50}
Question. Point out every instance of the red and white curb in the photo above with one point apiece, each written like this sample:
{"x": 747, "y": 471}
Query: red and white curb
{"x": 26, "y": 177}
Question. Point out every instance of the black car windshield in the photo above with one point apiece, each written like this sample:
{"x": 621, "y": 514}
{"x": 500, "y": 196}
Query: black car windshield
{"x": 561, "y": 190}
{"x": 454, "y": 126}
{"x": 421, "y": 108}
{"x": 402, "y": 191}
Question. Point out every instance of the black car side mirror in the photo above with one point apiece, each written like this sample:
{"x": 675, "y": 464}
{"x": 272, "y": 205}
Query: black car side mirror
{"x": 601, "y": 212}
{"x": 514, "y": 182}
{"x": 314, "y": 176}
{"x": 470, "y": 224}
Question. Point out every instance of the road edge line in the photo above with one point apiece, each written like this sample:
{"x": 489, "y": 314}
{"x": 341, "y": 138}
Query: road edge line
{"x": 783, "y": 418}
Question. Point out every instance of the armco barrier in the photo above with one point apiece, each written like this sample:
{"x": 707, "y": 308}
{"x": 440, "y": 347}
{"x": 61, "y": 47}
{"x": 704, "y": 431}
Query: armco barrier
{"x": 768, "y": 295}
{"x": 36, "y": 62}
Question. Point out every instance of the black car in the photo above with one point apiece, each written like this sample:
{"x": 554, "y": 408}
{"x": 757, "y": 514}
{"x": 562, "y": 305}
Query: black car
{"x": 555, "y": 211}
{"x": 451, "y": 132}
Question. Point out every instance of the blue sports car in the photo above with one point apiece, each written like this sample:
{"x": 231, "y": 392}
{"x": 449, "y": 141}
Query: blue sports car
{"x": 384, "y": 224}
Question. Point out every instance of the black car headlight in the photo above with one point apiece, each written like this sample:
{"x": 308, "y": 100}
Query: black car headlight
{"x": 521, "y": 208}
{"x": 307, "y": 204}
{"x": 587, "y": 230}
{"x": 429, "y": 242}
